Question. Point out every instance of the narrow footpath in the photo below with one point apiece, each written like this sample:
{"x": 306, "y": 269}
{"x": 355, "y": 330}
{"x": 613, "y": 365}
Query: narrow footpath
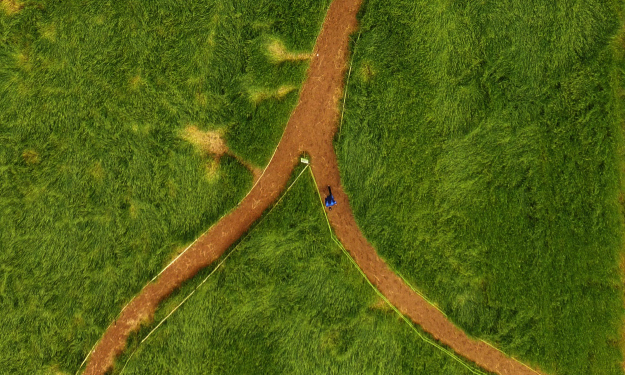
{"x": 311, "y": 128}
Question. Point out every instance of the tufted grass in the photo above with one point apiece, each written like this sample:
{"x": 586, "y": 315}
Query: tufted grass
{"x": 98, "y": 190}
{"x": 287, "y": 300}
{"x": 482, "y": 152}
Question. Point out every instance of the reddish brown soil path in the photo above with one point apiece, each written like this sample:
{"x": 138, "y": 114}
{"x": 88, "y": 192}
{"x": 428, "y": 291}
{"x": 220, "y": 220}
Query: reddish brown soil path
{"x": 311, "y": 128}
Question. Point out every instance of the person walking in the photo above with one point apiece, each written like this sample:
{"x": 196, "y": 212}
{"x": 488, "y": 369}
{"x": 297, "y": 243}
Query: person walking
{"x": 330, "y": 199}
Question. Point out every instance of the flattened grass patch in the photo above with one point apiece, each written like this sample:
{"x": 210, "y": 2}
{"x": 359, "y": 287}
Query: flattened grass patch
{"x": 207, "y": 142}
{"x": 201, "y": 99}
{"x": 11, "y": 7}
{"x": 212, "y": 170}
{"x": 366, "y": 72}
{"x": 257, "y": 95}
{"x": 48, "y": 32}
{"x": 136, "y": 82}
{"x": 55, "y": 369}
{"x": 212, "y": 143}
{"x": 31, "y": 157}
{"x": 133, "y": 210}
{"x": 278, "y": 53}
{"x": 284, "y": 90}
{"x": 380, "y": 305}
{"x": 97, "y": 171}
{"x": 23, "y": 60}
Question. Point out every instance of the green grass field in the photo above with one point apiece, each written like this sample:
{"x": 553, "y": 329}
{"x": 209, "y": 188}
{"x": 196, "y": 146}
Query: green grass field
{"x": 97, "y": 188}
{"x": 481, "y": 149}
{"x": 287, "y": 301}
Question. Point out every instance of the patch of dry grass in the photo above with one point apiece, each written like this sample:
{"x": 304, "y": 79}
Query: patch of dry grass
{"x": 284, "y": 90}
{"x": 23, "y": 59}
{"x": 212, "y": 170}
{"x": 55, "y": 369}
{"x": 366, "y": 72}
{"x": 11, "y": 7}
{"x": 133, "y": 210}
{"x": 207, "y": 142}
{"x": 97, "y": 171}
{"x": 48, "y": 32}
{"x": 211, "y": 143}
{"x": 136, "y": 82}
{"x": 31, "y": 157}
{"x": 257, "y": 95}
{"x": 278, "y": 53}
{"x": 381, "y": 305}
{"x": 201, "y": 99}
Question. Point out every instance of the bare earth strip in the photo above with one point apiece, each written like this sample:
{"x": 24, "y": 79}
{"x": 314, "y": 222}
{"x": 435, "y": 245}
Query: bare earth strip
{"x": 311, "y": 128}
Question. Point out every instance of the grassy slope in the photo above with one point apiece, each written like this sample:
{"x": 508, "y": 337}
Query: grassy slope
{"x": 96, "y": 188}
{"x": 480, "y": 151}
{"x": 287, "y": 301}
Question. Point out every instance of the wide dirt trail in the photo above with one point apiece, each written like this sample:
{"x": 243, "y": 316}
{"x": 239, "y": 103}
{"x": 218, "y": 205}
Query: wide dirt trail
{"x": 311, "y": 128}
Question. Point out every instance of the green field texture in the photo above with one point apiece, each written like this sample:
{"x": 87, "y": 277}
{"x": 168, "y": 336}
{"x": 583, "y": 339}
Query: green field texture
{"x": 481, "y": 149}
{"x": 98, "y": 191}
{"x": 286, "y": 301}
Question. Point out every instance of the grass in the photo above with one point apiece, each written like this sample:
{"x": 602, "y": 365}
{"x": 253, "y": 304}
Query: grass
{"x": 481, "y": 149}
{"x": 286, "y": 301}
{"x": 98, "y": 188}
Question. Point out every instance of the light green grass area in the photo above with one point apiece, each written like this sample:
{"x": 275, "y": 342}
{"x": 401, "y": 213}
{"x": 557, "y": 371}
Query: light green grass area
{"x": 481, "y": 151}
{"x": 286, "y": 301}
{"x": 97, "y": 188}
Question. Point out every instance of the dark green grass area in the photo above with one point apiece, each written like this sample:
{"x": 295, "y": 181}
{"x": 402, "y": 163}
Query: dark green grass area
{"x": 97, "y": 188}
{"x": 287, "y": 301}
{"x": 480, "y": 150}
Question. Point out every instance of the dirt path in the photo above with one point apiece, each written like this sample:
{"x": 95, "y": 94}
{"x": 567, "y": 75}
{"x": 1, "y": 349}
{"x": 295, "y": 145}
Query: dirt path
{"x": 311, "y": 128}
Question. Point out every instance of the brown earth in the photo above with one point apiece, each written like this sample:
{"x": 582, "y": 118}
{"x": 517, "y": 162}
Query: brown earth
{"x": 311, "y": 128}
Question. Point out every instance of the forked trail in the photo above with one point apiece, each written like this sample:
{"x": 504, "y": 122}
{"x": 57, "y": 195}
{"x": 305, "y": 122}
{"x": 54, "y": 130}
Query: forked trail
{"x": 311, "y": 128}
